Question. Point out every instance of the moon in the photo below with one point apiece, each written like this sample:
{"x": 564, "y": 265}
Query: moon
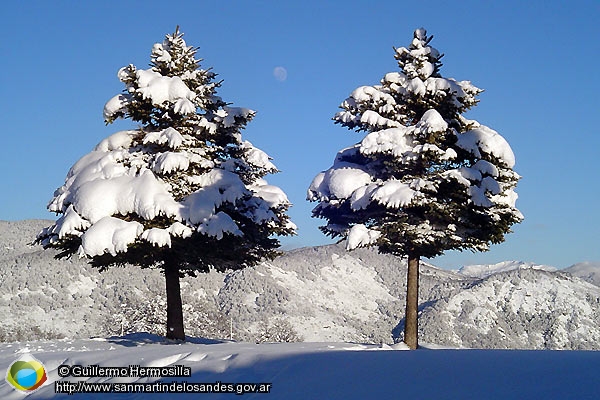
{"x": 280, "y": 73}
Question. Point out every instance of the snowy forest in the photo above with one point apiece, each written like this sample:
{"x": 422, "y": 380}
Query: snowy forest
{"x": 361, "y": 299}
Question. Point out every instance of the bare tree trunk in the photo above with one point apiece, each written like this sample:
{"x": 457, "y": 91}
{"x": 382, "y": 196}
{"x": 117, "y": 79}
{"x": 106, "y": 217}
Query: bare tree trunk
{"x": 412, "y": 303}
{"x": 174, "y": 304}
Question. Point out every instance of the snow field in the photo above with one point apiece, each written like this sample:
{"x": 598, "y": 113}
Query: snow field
{"x": 322, "y": 370}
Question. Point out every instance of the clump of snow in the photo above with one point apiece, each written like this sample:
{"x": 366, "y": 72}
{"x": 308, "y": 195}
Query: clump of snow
{"x": 393, "y": 140}
{"x": 180, "y": 230}
{"x": 361, "y": 197}
{"x": 478, "y": 196}
{"x": 142, "y": 194}
{"x": 368, "y": 93}
{"x": 218, "y": 224}
{"x": 70, "y": 223}
{"x": 401, "y": 142}
{"x": 184, "y": 106}
{"x": 486, "y": 168}
{"x": 217, "y": 187}
{"x": 359, "y": 235}
{"x": 508, "y": 198}
{"x": 158, "y": 237}
{"x": 119, "y": 140}
{"x": 229, "y": 115}
{"x": 271, "y": 194}
{"x": 109, "y": 235}
{"x": 160, "y": 89}
{"x": 343, "y": 181}
{"x": 372, "y": 118}
{"x": 116, "y": 105}
{"x": 394, "y": 194}
{"x": 486, "y": 140}
{"x": 258, "y": 157}
{"x": 168, "y": 162}
{"x": 432, "y": 121}
{"x": 169, "y": 136}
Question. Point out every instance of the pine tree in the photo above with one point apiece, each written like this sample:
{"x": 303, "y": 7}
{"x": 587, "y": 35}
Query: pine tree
{"x": 183, "y": 192}
{"x": 424, "y": 179}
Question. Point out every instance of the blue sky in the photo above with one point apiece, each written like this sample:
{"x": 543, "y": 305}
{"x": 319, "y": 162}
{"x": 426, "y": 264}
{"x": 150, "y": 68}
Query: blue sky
{"x": 536, "y": 60}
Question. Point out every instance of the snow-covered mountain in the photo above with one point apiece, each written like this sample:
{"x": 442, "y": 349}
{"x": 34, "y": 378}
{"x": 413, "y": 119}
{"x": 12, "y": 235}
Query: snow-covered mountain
{"x": 522, "y": 308}
{"x": 312, "y": 294}
{"x": 588, "y": 271}
{"x": 485, "y": 270}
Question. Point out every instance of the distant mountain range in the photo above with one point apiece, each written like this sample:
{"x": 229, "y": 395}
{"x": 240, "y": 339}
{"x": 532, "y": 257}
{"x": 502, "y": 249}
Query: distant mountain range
{"x": 313, "y": 294}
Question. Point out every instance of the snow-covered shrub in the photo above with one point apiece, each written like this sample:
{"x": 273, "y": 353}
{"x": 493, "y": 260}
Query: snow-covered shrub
{"x": 276, "y": 329}
{"x": 26, "y": 330}
{"x": 148, "y": 315}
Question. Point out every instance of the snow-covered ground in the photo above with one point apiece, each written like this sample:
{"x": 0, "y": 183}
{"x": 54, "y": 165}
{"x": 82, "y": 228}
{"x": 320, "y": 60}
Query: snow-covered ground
{"x": 319, "y": 370}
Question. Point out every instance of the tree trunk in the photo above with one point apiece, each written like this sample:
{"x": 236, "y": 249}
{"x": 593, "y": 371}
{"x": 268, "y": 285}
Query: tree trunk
{"x": 174, "y": 305}
{"x": 412, "y": 303}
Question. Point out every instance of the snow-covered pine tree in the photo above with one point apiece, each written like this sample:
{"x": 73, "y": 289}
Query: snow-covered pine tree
{"x": 183, "y": 192}
{"x": 424, "y": 179}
